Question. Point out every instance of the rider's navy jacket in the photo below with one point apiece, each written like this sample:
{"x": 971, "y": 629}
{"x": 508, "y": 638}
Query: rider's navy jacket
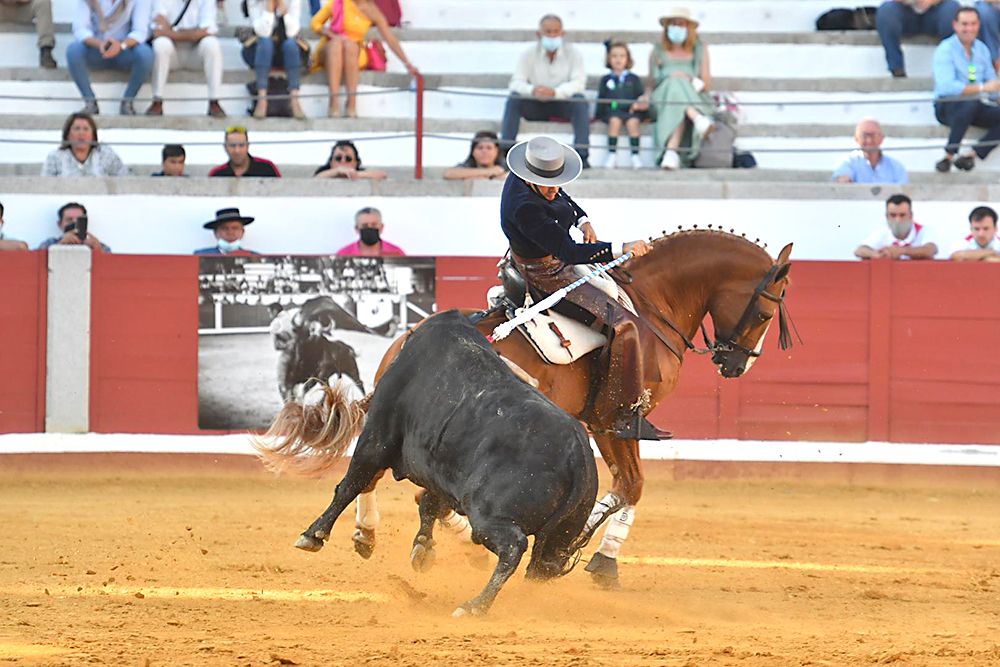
{"x": 537, "y": 227}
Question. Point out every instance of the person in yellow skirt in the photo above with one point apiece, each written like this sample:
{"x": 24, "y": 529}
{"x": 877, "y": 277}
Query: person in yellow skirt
{"x": 343, "y": 26}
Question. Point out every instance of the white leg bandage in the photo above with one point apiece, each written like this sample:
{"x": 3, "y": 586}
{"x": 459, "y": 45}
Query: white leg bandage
{"x": 617, "y": 531}
{"x": 457, "y": 524}
{"x": 367, "y": 516}
{"x": 601, "y": 508}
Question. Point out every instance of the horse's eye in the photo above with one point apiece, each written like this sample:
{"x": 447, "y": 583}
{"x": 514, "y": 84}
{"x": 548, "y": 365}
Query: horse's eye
{"x": 764, "y": 317}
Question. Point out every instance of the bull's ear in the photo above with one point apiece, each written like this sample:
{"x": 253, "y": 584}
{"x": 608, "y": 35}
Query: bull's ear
{"x": 784, "y": 254}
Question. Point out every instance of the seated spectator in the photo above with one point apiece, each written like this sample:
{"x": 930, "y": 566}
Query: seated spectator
{"x": 184, "y": 33}
{"x": 680, "y": 77}
{"x": 80, "y": 154}
{"x": 172, "y": 161}
{"x": 869, "y": 164}
{"x": 548, "y": 83}
{"x": 625, "y": 88}
{"x": 368, "y": 225}
{"x": 228, "y": 227}
{"x": 241, "y": 163}
{"x": 41, "y": 14}
{"x": 896, "y": 18}
{"x": 8, "y": 243}
{"x": 275, "y": 21}
{"x": 69, "y": 215}
{"x": 110, "y": 34}
{"x": 345, "y": 162}
{"x": 900, "y": 237}
{"x": 989, "y": 32}
{"x": 341, "y": 48}
{"x": 484, "y": 160}
{"x": 962, "y": 68}
{"x": 982, "y": 244}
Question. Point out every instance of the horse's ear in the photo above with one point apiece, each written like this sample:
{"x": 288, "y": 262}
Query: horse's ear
{"x": 782, "y": 272}
{"x": 784, "y": 254}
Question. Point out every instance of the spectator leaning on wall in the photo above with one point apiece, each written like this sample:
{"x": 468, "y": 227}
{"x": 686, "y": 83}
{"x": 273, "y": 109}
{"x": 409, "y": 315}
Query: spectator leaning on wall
{"x": 982, "y": 244}
{"x": 6, "y": 243}
{"x": 228, "y": 227}
{"x": 74, "y": 231}
{"x": 368, "y": 225}
{"x": 869, "y": 164}
{"x": 900, "y": 237}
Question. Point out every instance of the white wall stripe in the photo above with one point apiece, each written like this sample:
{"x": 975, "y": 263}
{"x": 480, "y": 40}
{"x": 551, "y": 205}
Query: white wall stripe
{"x": 67, "y": 368}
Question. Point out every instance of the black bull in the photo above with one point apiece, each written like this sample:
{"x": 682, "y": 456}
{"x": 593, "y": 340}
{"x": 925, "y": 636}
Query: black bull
{"x": 452, "y": 418}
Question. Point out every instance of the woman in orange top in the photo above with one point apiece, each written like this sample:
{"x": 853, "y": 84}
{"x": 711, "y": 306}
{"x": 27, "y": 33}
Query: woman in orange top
{"x": 343, "y": 53}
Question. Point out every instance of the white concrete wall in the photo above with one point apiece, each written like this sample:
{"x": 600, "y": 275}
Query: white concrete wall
{"x": 820, "y": 229}
{"x": 67, "y": 368}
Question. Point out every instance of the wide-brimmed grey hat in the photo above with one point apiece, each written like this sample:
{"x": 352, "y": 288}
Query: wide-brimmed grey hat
{"x": 227, "y": 215}
{"x": 544, "y": 161}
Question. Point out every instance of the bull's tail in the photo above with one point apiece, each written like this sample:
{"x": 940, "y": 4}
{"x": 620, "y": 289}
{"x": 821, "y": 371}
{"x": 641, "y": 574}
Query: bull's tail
{"x": 608, "y": 506}
{"x": 308, "y": 439}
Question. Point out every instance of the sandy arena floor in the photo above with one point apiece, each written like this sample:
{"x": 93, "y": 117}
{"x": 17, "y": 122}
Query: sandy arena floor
{"x": 184, "y": 560}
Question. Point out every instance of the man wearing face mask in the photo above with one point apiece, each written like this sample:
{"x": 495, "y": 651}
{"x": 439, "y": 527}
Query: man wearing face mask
{"x": 900, "y": 238}
{"x": 6, "y": 243}
{"x": 368, "y": 225}
{"x": 228, "y": 228}
{"x": 536, "y": 216}
{"x": 549, "y": 82}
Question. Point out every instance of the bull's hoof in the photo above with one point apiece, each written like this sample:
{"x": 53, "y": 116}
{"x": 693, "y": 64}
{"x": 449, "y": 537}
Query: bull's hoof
{"x": 364, "y": 542}
{"x": 308, "y": 543}
{"x": 422, "y": 554}
{"x": 604, "y": 571}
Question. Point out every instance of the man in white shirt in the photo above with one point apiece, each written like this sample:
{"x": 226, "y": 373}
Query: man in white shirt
{"x": 982, "y": 244}
{"x": 548, "y": 83}
{"x": 900, "y": 237}
{"x": 185, "y": 34}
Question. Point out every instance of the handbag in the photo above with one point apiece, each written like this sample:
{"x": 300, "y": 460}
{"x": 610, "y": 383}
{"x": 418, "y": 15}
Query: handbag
{"x": 377, "y": 60}
{"x": 717, "y": 148}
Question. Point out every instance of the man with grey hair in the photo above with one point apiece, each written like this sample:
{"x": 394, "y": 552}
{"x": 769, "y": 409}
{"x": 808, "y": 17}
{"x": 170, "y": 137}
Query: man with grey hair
{"x": 368, "y": 225}
{"x": 548, "y": 83}
{"x": 869, "y": 164}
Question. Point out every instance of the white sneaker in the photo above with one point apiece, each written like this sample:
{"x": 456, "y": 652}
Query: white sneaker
{"x": 671, "y": 160}
{"x": 636, "y": 161}
{"x": 611, "y": 161}
{"x": 703, "y": 126}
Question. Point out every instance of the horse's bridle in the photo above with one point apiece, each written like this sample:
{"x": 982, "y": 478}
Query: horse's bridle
{"x": 730, "y": 344}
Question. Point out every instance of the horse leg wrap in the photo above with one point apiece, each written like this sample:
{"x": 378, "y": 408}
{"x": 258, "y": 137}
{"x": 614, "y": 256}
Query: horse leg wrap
{"x": 617, "y": 531}
{"x": 599, "y": 513}
{"x": 457, "y": 524}
{"x": 367, "y": 515}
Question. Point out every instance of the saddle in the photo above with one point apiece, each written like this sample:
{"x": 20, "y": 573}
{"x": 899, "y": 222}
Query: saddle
{"x": 556, "y": 338}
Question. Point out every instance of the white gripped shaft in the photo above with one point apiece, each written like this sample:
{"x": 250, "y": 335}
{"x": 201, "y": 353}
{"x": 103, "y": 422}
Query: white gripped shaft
{"x": 504, "y": 329}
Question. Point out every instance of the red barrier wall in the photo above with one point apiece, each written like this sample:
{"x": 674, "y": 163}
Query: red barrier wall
{"x": 898, "y": 351}
{"x": 23, "y": 285}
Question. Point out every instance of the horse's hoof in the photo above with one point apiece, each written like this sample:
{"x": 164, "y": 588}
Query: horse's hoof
{"x": 307, "y": 543}
{"x": 469, "y": 609}
{"x": 364, "y": 542}
{"x": 459, "y": 613}
{"x": 422, "y": 555}
{"x": 604, "y": 571}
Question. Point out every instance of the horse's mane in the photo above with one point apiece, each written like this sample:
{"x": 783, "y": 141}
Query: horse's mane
{"x": 665, "y": 237}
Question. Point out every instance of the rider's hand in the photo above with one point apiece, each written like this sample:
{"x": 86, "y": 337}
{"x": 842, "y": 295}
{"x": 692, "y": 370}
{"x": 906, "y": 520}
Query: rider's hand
{"x": 637, "y": 248}
{"x": 589, "y": 235}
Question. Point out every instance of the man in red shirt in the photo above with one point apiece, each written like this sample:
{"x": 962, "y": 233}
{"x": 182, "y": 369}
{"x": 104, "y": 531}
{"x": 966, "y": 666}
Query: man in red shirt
{"x": 368, "y": 225}
{"x": 241, "y": 163}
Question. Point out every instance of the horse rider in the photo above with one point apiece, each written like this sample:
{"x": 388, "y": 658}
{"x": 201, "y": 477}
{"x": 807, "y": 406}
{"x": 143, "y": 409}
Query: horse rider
{"x": 535, "y": 215}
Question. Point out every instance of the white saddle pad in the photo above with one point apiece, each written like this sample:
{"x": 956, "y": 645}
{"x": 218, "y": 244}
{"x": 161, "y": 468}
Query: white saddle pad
{"x": 559, "y": 339}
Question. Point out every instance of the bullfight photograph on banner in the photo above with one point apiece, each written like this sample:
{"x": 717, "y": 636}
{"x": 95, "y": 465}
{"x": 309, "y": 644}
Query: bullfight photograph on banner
{"x": 271, "y": 328}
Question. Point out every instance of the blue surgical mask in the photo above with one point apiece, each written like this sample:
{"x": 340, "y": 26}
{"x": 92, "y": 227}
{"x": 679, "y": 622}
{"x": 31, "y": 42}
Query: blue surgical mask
{"x": 227, "y": 246}
{"x": 677, "y": 33}
{"x": 551, "y": 43}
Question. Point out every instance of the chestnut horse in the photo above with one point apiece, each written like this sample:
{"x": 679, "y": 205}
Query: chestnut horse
{"x": 686, "y": 275}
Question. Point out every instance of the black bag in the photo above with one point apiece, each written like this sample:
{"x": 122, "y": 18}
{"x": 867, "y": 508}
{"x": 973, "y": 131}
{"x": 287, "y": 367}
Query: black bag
{"x": 278, "y": 103}
{"x": 859, "y": 18}
{"x": 743, "y": 160}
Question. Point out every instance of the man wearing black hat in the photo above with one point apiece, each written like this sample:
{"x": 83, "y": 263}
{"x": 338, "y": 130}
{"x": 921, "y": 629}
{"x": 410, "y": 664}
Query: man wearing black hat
{"x": 228, "y": 228}
{"x": 535, "y": 215}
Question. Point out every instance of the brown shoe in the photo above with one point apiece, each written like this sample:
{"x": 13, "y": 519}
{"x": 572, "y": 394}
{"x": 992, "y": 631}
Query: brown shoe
{"x": 156, "y": 108}
{"x": 215, "y": 109}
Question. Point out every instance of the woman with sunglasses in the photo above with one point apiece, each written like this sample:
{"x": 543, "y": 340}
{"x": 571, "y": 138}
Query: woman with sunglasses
{"x": 345, "y": 162}
{"x": 484, "y": 160}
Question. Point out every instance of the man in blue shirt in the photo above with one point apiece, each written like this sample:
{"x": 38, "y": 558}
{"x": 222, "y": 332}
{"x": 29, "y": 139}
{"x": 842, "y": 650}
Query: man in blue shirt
{"x": 869, "y": 164}
{"x": 965, "y": 87}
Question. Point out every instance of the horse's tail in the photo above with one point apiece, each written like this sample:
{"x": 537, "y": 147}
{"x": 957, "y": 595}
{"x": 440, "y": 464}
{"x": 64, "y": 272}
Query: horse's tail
{"x": 308, "y": 439}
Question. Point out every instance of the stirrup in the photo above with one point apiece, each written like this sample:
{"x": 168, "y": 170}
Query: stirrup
{"x": 638, "y": 427}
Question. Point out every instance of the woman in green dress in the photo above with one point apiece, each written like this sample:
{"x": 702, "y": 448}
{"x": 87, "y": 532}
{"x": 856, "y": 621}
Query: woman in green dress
{"x": 677, "y": 89}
